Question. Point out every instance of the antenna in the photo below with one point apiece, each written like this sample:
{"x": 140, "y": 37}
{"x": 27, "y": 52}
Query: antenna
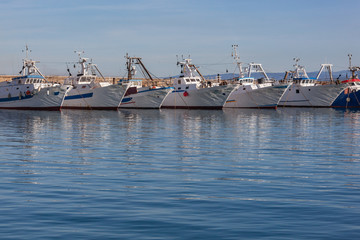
{"x": 296, "y": 62}
{"x": 237, "y": 60}
{"x": 79, "y": 53}
{"x": 27, "y": 51}
{"x": 234, "y": 53}
{"x": 350, "y": 55}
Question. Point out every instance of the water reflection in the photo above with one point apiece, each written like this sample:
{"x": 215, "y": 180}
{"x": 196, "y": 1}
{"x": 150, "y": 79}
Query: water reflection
{"x": 126, "y": 169}
{"x": 190, "y": 136}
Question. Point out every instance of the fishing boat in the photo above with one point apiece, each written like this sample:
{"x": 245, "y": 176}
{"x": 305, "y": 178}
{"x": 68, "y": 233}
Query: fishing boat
{"x": 88, "y": 93}
{"x": 310, "y": 92}
{"x": 31, "y": 90}
{"x": 254, "y": 93}
{"x": 138, "y": 96}
{"x": 191, "y": 91}
{"x": 350, "y": 97}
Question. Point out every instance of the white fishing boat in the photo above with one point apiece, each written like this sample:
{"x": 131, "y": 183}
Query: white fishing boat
{"x": 254, "y": 93}
{"x": 310, "y": 92}
{"x": 88, "y": 93}
{"x": 31, "y": 90}
{"x": 192, "y": 91}
{"x": 138, "y": 96}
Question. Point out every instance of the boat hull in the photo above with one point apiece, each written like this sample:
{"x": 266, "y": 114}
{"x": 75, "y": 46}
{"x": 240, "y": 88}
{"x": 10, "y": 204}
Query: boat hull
{"x": 101, "y": 98}
{"x": 349, "y": 98}
{"x": 311, "y": 96}
{"x": 151, "y": 98}
{"x": 203, "y": 98}
{"x": 48, "y": 98}
{"x": 266, "y": 97}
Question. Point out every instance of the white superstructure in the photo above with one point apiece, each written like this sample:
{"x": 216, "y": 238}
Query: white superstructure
{"x": 254, "y": 93}
{"x": 31, "y": 91}
{"x": 310, "y": 92}
{"x": 192, "y": 91}
{"x": 138, "y": 96}
{"x": 87, "y": 93}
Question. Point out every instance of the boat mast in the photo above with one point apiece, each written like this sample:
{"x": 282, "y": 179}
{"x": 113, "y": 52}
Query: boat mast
{"x": 257, "y": 68}
{"x": 131, "y": 70}
{"x": 353, "y": 69}
{"x": 237, "y": 60}
{"x": 329, "y": 68}
{"x": 29, "y": 65}
{"x": 197, "y": 70}
{"x": 299, "y": 70}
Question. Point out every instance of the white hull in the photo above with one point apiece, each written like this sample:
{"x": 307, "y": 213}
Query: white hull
{"x": 311, "y": 96}
{"x": 151, "y": 98}
{"x": 28, "y": 98}
{"x": 208, "y": 98}
{"x": 108, "y": 97}
{"x": 245, "y": 97}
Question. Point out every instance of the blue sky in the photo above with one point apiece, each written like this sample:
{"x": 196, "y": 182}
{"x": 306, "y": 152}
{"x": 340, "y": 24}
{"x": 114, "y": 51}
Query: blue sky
{"x": 271, "y": 32}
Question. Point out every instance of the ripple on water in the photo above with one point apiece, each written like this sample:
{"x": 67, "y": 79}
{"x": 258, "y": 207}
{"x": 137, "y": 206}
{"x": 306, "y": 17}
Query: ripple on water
{"x": 180, "y": 174}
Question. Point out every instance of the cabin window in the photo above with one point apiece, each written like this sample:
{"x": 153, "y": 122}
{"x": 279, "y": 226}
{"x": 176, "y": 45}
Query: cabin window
{"x": 198, "y": 80}
{"x": 179, "y": 81}
{"x": 179, "y": 88}
{"x": 309, "y": 89}
{"x": 193, "y": 80}
{"x": 297, "y": 91}
{"x": 187, "y": 87}
{"x": 187, "y": 80}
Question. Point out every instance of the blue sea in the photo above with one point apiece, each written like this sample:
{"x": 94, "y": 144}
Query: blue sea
{"x": 180, "y": 174}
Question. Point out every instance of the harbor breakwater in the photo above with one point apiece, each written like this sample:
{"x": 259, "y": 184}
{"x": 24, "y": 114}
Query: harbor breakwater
{"x": 160, "y": 82}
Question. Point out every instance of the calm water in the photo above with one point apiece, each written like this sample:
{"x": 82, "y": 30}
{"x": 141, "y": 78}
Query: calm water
{"x": 174, "y": 174}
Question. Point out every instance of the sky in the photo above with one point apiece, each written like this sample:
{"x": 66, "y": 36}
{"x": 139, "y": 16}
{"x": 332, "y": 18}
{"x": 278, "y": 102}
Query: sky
{"x": 270, "y": 32}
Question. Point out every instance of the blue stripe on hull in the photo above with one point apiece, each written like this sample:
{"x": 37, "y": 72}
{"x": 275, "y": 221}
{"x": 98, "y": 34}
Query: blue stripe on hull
{"x": 86, "y": 95}
{"x": 125, "y": 100}
{"x": 11, "y": 99}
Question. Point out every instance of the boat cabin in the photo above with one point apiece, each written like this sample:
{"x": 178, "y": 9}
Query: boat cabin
{"x": 185, "y": 83}
{"x": 245, "y": 81}
{"x": 304, "y": 81}
{"x": 28, "y": 79}
{"x": 190, "y": 77}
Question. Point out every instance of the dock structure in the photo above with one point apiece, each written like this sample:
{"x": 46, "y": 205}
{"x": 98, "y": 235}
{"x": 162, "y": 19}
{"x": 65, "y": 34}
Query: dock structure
{"x": 160, "y": 82}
